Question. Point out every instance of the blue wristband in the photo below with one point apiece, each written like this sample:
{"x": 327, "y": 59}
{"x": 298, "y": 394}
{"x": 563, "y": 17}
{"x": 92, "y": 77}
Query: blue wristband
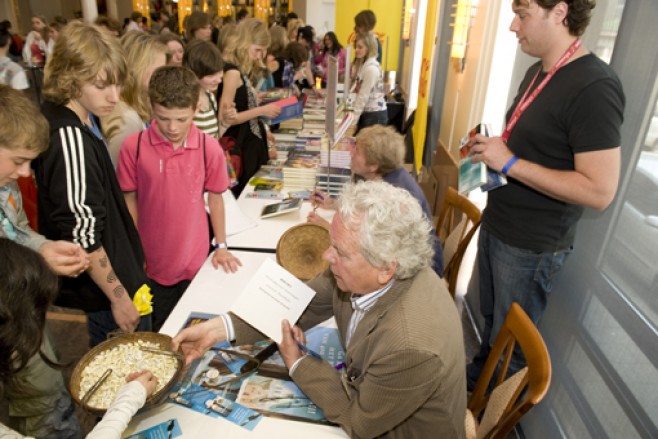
{"x": 509, "y": 164}
{"x": 221, "y": 245}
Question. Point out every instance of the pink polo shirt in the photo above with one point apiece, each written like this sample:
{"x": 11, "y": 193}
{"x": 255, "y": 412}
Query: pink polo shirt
{"x": 172, "y": 219}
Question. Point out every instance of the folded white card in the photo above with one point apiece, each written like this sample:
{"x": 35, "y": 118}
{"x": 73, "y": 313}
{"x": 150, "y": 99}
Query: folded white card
{"x": 272, "y": 295}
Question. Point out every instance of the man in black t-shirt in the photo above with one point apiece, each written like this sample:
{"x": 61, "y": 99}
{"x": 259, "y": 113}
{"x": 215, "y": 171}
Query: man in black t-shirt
{"x": 560, "y": 151}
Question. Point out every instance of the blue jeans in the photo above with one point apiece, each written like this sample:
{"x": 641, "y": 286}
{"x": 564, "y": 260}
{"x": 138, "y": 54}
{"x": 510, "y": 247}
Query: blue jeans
{"x": 509, "y": 274}
{"x": 101, "y": 323}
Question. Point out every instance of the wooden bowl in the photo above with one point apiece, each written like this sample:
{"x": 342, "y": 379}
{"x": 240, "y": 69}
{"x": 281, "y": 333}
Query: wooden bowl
{"x": 152, "y": 337}
{"x": 300, "y": 250}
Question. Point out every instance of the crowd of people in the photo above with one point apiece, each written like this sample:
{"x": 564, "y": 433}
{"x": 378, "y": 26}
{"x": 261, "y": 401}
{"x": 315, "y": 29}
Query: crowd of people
{"x": 137, "y": 124}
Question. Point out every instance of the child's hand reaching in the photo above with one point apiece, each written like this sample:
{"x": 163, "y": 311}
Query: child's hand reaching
{"x": 146, "y": 379}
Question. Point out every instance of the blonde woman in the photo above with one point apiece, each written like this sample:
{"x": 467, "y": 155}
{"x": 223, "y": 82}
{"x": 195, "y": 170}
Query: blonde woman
{"x": 144, "y": 53}
{"x": 369, "y": 103}
{"x": 243, "y": 64}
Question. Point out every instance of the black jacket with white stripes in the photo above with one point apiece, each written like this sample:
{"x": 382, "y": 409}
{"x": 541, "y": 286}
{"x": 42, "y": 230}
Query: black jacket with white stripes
{"x": 79, "y": 200}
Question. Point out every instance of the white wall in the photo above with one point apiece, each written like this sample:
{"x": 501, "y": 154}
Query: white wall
{"x": 321, "y": 14}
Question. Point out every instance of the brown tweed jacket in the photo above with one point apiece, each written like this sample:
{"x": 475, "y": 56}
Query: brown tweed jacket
{"x": 405, "y": 373}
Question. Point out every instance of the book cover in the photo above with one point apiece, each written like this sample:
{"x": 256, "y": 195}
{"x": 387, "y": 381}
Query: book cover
{"x": 285, "y": 206}
{"x": 291, "y": 108}
{"x": 476, "y": 175}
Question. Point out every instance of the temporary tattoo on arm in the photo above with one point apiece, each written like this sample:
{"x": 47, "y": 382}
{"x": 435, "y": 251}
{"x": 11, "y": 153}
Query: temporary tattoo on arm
{"x": 111, "y": 277}
{"x": 119, "y": 291}
{"x": 103, "y": 261}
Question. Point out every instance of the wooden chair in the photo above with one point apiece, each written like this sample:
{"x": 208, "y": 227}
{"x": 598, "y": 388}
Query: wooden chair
{"x": 501, "y": 409}
{"x": 458, "y": 220}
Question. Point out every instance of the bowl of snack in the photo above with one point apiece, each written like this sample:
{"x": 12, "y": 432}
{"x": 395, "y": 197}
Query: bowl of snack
{"x": 102, "y": 371}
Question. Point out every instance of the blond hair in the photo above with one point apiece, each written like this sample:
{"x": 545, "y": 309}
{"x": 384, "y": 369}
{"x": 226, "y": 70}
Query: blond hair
{"x": 81, "y": 53}
{"x": 381, "y": 146}
{"x": 140, "y": 49}
{"x": 370, "y": 41}
{"x": 249, "y": 31}
{"x": 22, "y": 126}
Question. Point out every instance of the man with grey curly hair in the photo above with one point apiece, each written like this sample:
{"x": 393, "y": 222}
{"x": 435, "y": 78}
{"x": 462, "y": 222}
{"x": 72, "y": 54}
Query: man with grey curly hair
{"x": 404, "y": 363}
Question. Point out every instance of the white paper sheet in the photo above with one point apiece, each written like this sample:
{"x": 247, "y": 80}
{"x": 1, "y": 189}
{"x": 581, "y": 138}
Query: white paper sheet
{"x": 272, "y": 295}
{"x": 235, "y": 220}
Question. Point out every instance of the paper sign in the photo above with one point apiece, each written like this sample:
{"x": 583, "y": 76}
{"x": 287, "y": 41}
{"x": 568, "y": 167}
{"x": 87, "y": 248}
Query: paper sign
{"x": 272, "y": 295}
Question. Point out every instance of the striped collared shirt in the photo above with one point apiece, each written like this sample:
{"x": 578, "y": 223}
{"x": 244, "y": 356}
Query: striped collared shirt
{"x": 361, "y": 305}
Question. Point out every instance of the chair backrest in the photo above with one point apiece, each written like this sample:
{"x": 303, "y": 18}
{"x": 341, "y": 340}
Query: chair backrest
{"x": 458, "y": 221}
{"x": 534, "y": 380}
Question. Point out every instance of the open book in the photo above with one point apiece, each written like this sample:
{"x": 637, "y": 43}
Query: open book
{"x": 476, "y": 175}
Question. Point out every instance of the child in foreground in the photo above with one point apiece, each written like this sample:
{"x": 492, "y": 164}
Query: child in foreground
{"x": 164, "y": 172}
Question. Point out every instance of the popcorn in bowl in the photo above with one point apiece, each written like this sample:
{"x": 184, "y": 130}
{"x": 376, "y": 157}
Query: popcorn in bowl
{"x": 120, "y": 355}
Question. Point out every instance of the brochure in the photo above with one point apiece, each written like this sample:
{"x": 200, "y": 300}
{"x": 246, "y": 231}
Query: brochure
{"x": 167, "y": 429}
{"x": 209, "y": 387}
{"x": 291, "y": 108}
{"x": 214, "y": 386}
{"x": 285, "y": 206}
{"x": 476, "y": 175}
{"x": 272, "y": 295}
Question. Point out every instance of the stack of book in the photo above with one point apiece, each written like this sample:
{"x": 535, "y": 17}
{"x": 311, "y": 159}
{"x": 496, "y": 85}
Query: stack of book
{"x": 332, "y": 180}
{"x": 314, "y": 118}
{"x": 340, "y": 156}
{"x": 300, "y": 169}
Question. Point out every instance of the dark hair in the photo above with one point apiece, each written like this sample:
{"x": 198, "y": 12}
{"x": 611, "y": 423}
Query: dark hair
{"x": 27, "y": 288}
{"x": 195, "y": 21}
{"x": 296, "y": 53}
{"x": 5, "y": 36}
{"x": 335, "y": 44}
{"x": 578, "y": 15}
{"x": 306, "y": 33}
{"x": 203, "y": 58}
{"x": 242, "y": 13}
{"x": 174, "y": 87}
{"x": 110, "y": 23}
{"x": 366, "y": 20}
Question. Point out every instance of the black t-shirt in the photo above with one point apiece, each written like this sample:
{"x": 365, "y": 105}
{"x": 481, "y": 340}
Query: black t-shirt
{"x": 579, "y": 110}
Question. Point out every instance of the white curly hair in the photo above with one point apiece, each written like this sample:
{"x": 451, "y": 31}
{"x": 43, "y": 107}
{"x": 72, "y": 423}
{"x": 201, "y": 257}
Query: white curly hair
{"x": 390, "y": 225}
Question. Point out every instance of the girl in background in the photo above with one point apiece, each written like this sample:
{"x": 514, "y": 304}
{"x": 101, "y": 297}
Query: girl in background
{"x": 331, "y": 47}
{"x": 369, "y": 104}
{"x": 243, "y": 58}
{"x": 175, "y": 46}
{"x": 198, "y": 27}
{"x": 144, "y": 53}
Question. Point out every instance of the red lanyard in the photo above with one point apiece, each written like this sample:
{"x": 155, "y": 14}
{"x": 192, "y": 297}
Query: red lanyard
{"x": 527, "y": 100}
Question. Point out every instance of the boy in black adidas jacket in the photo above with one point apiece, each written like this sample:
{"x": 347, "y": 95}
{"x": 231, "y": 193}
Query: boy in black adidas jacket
{"x": 79, "y": 196}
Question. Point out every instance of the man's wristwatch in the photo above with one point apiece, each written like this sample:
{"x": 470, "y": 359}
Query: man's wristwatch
{"x": 221, "y": 245}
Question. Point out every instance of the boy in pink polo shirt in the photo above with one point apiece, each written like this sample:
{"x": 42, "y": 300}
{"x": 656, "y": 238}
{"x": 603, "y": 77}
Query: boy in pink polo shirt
{"x": 163, "y": 172}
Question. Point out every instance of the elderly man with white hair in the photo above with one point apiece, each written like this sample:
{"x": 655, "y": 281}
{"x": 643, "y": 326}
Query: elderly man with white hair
{"x": 404, "y": 364}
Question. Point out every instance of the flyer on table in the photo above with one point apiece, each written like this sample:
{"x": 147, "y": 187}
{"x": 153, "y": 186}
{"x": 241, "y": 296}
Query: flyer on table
{"x": 272, "y": 295}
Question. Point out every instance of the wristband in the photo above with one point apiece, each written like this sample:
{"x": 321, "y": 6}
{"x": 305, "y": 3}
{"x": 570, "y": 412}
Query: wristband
{"x": 508, "y": 165}
{"x": 221, "y": 245}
